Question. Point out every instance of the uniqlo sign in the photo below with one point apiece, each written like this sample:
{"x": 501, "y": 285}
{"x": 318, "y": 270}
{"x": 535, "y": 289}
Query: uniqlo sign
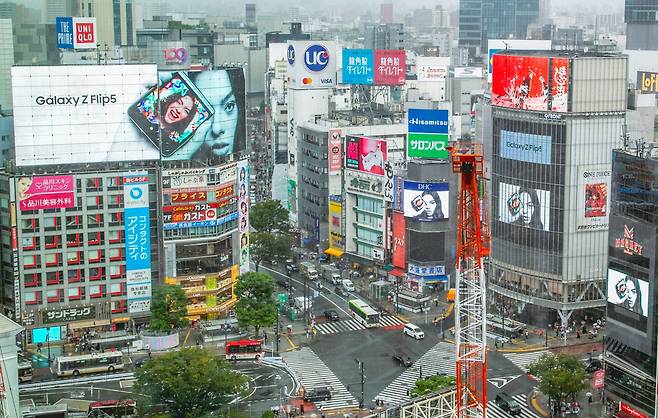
{"x": 76, "y": 32}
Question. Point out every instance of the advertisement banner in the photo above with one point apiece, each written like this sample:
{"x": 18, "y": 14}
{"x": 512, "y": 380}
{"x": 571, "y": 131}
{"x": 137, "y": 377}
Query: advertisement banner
{"x": 358, "y": 66}
{"x": 593, "y": 198}
{"x": 497, "y": 45}
{"x": 468, "y": 72}
{"x": 76, "y": 32}
{"x": 631, "y": 241}
{"x": 336, "y": 237}
{"x": 398, "y": 190}
{"x": 372, "y": 155}
{"x": 647, "y": 82}
{"x": 438, "y": 270}
{"x": 195, "y": 212}
{"x": 311, "y": 64}
{"x": 390, "y": 67}
{"x": 599, "y": 379}
{"x": 431, "y": 68}
{"x": 521, "y": 82}
{"x": 137, "y": 231}
{"x": 426, "y": 202}
{"x": 335, "y": 150}
{"x": 352, "y": 152}
{"x": 243, "y": 214}
{"x": 399, "y": 241}
{"x": 188, "y": 182}
{"x": 428, "y": 133}
{"x": 53, "y": 192}
{"x": 525, "y": 147}
{"x": 524, "y": 206}
{"x": 358, "y": 182}
{"x": 388, "y": 183}
{"x": 200, "y": 224}
{"x": 560, "y": 85}
{"x": 69, "y": 314}
{"x": 628, "y": 292}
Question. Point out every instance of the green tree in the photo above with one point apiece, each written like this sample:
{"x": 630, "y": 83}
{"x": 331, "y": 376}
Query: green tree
{"x": 267, "y": 414}
{"x": 269, "y": 216}
{"x": 560, "y": 376}
{"x": 267, "y": 246}
{"x": 168, "y": 309}
{"x": 255, "y": 306}
{"x": 190, "y": 382}
{"x": 432, "y": 384}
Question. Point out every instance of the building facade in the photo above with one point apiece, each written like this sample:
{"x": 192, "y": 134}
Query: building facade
{"x": 641, "y": 24}
{"x": 384, "y": 36}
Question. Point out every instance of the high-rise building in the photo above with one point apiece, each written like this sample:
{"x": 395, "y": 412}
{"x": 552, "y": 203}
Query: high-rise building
{"x": 386, "y": 13}
{"x": 630, "y": 331}
{"x": 114, "y": 19}
{"x": 385, "y": 36}
{"x": 550, "y": 170}
{"x": 6, "y": 61}
{"x": 56, "y": 8}
{"x": 250, "y": 14}
{"x": 641, "y": 17}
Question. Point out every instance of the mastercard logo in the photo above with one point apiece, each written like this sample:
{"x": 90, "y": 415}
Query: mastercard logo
{"x": 307, "y": 80}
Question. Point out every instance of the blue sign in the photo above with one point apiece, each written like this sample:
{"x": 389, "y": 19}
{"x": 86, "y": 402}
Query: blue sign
{"x": 44, "y": 335}
{"x": 138, "y": 238}
{"x": 428, "y": 121}
{"x": 426, "y": 187}
{"x": 64, "y": 26}
{"x": 316, "y": 57}
{"x": 491, "y": 54}
{"x": 525, "y": 147}
{"x": 426, "y": 270}
{"x": 291, "y": 54}
{"x": 198, "y": 224}
{"x": 358, "y": 67}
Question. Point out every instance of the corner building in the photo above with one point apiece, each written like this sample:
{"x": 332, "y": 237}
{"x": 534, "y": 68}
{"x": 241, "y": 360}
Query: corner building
{"x": 556, "y": 119}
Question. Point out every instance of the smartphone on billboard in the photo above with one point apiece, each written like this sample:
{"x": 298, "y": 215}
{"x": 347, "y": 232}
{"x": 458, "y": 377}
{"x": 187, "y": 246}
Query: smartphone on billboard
{"x": 170, "y": 115}
{"x": 514, "y": 203}
{"x": 417, "y": 203}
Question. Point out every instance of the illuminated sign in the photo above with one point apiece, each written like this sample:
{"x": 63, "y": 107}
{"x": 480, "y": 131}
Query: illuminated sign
{"x": 627, "y": 242}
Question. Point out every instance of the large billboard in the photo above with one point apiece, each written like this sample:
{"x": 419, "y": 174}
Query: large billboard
{"x": 336, "y": 237}
{"x": 358, "y": 66}
{"x": 311, "y": 64}
{"x": 426, "y": 202}
{"x": 365, "y": 154}
{"x": 52, "y": 192}
{"x": 428, "y": 133}
{"x": 137, "y": 230}
{"x": 524, "y": 206}
{"x": 76, "y": 32}
{"x": 559, "y": 85}
{"x": 468, "y": 72}
{"x": 498, "y": 45}
{"x": 399, "y": 241}
{"x": 525, "y": 147}
{"x": 628, "y": 292}
{"x": 647, "y": 82}
{"x": 243, "y": 214}
{"x": 89, "y": 113}
{"x": 390, "y": 67}
{"x": 432, "y": 68}
{"x": 335, "y": 150}
{"x": 593, "y": 198}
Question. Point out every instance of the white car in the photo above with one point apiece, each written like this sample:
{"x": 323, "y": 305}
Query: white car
{"x": 413, "y": 331}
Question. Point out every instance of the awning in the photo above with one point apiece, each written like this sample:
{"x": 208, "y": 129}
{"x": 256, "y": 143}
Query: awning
{"x": 397, "y": 272}
{"x": 89, "y": 324}
{"x": 335, "y": 252}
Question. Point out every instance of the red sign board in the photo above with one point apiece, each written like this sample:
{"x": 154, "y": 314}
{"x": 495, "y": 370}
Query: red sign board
{"x": 631, "y": 412}
{"x": 520, "y": 82}
{"x": 399, "y": 242}
{"x": 335, "y": 150}
{"x": 560, "y": 84}
{"x": 627, "y": 243}
{"x": 390, "y": 67}
{"x": 599, "y": 379}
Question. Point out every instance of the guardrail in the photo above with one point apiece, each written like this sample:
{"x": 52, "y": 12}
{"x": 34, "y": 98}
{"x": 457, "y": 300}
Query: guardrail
{"x": 59, "y": 383}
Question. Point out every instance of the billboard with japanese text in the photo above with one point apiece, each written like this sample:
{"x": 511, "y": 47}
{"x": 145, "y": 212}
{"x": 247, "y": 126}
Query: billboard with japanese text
{"x": 428, "y": 133}
{"x": 432, "y": 68}
{"x": 52, "y": 192}
{"x": 243, "y": 214}
{"x": 335, "y": 150}
{"x": 336, "y": 237}
{"x": 593, "y": 198}
{"x": 358, "y": 66}
{"x": 390, "y": 67}
{"x": 399, "y": 240}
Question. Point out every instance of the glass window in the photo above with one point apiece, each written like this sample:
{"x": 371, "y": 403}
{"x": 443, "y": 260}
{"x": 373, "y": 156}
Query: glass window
{"x": 115, "y": 288}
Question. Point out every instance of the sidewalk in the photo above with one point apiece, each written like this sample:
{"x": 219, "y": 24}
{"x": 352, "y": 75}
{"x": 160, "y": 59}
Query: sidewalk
{"x": 539, "y": 403}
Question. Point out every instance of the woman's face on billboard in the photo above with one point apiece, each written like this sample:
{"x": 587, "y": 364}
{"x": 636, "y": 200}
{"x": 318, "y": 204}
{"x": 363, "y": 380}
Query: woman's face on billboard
{"x": 221, "y": 130}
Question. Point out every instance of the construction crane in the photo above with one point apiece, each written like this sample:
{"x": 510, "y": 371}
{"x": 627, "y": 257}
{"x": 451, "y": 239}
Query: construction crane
{"x": 473, "y": 244}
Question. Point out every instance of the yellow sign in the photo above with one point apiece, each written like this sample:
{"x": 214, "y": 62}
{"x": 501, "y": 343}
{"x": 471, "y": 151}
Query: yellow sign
{"x": 336, "y": 238}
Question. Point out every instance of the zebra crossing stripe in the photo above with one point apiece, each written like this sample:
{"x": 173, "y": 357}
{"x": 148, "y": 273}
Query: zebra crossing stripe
{"x": 353, "y": 325}
{"x": 495, "y": 411}
{"x": 524, "y": 360}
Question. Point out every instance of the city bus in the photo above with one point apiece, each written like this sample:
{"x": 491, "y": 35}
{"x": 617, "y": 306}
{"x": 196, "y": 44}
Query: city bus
{"x": 364, "y": 313}
{"x": 88, "y": 363}
{"x": 244, "y": 350}
{"x": 24, "y": 371}
{"x": 124, "y": 408}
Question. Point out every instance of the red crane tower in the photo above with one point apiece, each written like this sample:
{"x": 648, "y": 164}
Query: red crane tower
{"x": 473, "y": 245}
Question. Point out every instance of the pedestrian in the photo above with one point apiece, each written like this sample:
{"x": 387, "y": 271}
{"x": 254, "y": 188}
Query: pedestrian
{"x": 39, "y": 345}
{"x": 149, "y": 352}
{"x": 589, "y": 397}
{"x": 496, "y": 344}
{"x": 526, "y": 335}
{"x": 578, "y": 334}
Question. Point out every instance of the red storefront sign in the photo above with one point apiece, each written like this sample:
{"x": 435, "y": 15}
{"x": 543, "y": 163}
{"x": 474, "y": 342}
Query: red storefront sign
{"x": 399, "y": 242}
{"x": 599, "y": 379}
{"x": 628, "y": 411}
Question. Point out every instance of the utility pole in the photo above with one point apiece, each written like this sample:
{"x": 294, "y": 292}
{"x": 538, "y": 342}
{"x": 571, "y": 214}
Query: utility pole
{"x": 363, "y": 381}
{"x": 276, "y": 332}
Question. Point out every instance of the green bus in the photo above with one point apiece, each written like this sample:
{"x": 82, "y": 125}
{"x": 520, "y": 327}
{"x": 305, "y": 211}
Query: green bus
{"x": 364, "y": 313}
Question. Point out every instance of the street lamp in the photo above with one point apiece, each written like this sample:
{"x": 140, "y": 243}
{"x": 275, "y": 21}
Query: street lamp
{"x": 363, "y": 381}
{"x": 48, "y": 342}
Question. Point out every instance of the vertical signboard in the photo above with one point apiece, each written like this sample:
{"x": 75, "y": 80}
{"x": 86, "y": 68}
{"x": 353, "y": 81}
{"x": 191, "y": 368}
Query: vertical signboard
{"x": 335, "y": 150}
{"x": 243, "y": 215}
{"x": 399, "y": 244}
{"x": 138, "y": 241}
{"x": 593, "y": 198}
{"x": 428, "y": 133}
{"x": 398, "y": 190}
{"x": 14, "y": 252}
{"x": 390, "y": 67}
{"x": 336, "y": 237}
{"x": 560, "y": 84}
{"x": 358, "y": 66}
{"x": 388, "y": 182}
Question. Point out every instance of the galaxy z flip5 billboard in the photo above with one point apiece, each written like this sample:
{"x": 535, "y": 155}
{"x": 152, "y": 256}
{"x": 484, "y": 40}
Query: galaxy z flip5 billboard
{"x": 102, "y": 113}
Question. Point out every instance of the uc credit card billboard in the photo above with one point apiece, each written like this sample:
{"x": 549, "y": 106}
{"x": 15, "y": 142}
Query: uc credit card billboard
{"x": 427, "y": 133}
{"x": 311, "y": 64}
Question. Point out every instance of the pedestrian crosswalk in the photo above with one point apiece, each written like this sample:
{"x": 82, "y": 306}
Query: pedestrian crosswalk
{"x": 312, "y": 373}
{"x": 353, "y": 325}
{"x": 495, "y": 411}
{"x": 439, "y": 359}
{"x": 524, "y": 360}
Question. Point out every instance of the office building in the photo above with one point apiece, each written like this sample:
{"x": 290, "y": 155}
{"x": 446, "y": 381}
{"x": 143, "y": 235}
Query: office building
{"x": 115, "y": 21}
{"x": 386, "y": 13}
{"x": 384, "y": 36}
{"x": 641, "y": 24}
{"x": 57, "y": 8}
{"x": 6, "y": 61}
{"x": 250, "y": 14}
{"x": 549, "y": 213}
{"x": 630, "y": 343}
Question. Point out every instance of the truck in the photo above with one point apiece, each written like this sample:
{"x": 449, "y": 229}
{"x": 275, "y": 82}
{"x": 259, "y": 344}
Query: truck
{"x": 308, "y": 269}
{"x": 299, "y": 303}
{"x": 331, "y": 274}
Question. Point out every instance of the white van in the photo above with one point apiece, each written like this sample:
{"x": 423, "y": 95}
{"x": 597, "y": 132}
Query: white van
{"x": 348, "y": 286}
{"x": 413, "y": 331}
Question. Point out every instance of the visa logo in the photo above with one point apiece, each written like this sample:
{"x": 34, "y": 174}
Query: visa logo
{"x": 326, "y": 80}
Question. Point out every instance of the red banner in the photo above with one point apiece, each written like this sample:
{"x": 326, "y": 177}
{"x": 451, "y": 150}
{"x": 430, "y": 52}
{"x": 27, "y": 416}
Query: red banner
{"x": 399, "y": 243}
{"x": 629, "y": 411}
{"x": 599, "y": 379}
{"x": 520, "y": 82}
{"x": 390, "y": 67}
{"x": 560, "y": 84}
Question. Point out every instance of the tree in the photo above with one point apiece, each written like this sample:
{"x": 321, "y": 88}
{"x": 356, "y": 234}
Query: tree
{"x": 269, "y": 216}
{"x": 432, "y": 384}
{"x": 255, "y": 306}
{"x": 190, "y": 382}
{"x": 168, "y": 309}
{"x": 560, "y": 377}
{"x": 266, "y": 246}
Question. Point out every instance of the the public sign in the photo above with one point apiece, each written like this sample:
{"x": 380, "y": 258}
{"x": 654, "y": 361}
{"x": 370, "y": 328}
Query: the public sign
{"x": 427, "y": 133}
